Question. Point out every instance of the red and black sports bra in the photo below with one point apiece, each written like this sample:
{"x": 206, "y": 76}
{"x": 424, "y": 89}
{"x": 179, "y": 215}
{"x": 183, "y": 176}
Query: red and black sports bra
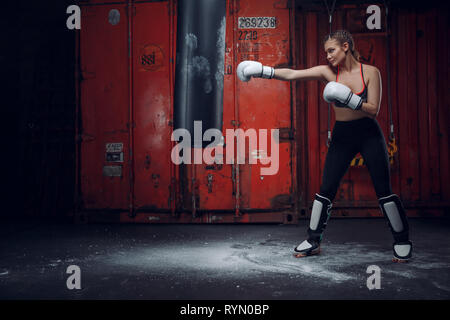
{"x": 363, "y": 93}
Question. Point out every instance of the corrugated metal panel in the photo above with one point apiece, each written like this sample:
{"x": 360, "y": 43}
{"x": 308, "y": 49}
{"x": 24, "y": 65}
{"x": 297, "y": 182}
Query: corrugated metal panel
{"x": 152, "y": 103}
{"x": 423, "y": 119}
{"x": 104, "y": 109}
{"x": 265, "y": 105}
{"x": 419, "y": 108}
{"x": 242, "y": 188}
{"x": 142, "y": 121}
{"x": 231, "y": 188}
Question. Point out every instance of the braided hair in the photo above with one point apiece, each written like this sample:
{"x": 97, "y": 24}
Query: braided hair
{"x": 344, "y": 36}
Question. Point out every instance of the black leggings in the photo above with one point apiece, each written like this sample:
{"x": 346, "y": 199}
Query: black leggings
{"x": 348, "y": 138}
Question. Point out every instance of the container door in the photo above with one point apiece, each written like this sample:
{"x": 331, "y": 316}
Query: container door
{"x": 262, "y": 34}
{"x": 152, "y": 105}
{"x": 104, "y": 107}
{"x": 262, "y": 105}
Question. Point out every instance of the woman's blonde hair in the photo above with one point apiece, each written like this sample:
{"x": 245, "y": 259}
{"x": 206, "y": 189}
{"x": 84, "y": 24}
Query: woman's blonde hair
{"x": 344, "y": 36}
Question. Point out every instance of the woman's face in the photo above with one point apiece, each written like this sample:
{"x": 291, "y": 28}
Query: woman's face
{"x": 335, "y": 51}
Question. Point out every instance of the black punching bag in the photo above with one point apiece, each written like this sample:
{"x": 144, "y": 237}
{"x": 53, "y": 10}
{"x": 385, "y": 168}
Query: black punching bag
{"x": 199, "y": 68}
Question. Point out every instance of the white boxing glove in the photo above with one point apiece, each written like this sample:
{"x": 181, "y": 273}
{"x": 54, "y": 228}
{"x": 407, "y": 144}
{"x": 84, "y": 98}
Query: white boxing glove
{"x": 247, "y": 69}
{"x": 342, "y": 96}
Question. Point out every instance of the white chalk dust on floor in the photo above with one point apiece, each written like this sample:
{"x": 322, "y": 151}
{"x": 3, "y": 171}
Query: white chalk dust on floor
{"x": 336, "y": 263}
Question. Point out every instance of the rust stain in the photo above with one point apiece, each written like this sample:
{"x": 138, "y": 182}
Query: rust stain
{"x": 281, "y": 201}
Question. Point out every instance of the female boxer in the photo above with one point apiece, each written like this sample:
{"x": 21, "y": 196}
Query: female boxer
{"x": 355, "y": 91}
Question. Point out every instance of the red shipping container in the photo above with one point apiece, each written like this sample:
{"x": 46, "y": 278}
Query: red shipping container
{"x": 127, "y": 54}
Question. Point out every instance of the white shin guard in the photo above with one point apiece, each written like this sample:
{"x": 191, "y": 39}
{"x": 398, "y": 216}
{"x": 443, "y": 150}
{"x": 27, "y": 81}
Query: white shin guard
{"x": 320, "y": 214}
{"x": 393, "y": 210}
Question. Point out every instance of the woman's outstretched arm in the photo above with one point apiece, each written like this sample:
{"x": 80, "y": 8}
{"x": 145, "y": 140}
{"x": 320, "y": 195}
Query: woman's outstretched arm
{"x": 248, "y": 69}
{"x": 314, "y": 73}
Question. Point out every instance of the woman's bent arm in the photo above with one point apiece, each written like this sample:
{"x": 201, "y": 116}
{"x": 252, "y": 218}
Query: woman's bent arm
{"x": 372, "y": 106}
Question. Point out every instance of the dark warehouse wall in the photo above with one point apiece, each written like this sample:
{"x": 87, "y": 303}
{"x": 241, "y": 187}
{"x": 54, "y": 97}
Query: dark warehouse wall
{"x": 37, "y": 60}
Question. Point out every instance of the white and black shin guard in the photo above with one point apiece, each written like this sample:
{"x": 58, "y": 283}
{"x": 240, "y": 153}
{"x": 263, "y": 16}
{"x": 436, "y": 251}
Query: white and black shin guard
{"x": 320, "y": 214}
{"x": 393, "y": 210}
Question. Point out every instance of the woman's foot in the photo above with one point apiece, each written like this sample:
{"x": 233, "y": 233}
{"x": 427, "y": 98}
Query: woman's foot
{"x": 402, "y": 251}
{"x": 307, "y": 248}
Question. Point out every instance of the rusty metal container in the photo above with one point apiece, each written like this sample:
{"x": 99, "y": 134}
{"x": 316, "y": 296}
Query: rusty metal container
{"x": 127, "y": 53}
{"x": 419, "y": 65}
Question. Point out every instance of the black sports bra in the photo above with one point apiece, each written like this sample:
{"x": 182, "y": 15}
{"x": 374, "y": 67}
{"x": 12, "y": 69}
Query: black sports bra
{"x": 362, "y": 94}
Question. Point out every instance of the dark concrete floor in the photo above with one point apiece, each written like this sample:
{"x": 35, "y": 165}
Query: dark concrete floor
{"x": 209, "y": 262}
